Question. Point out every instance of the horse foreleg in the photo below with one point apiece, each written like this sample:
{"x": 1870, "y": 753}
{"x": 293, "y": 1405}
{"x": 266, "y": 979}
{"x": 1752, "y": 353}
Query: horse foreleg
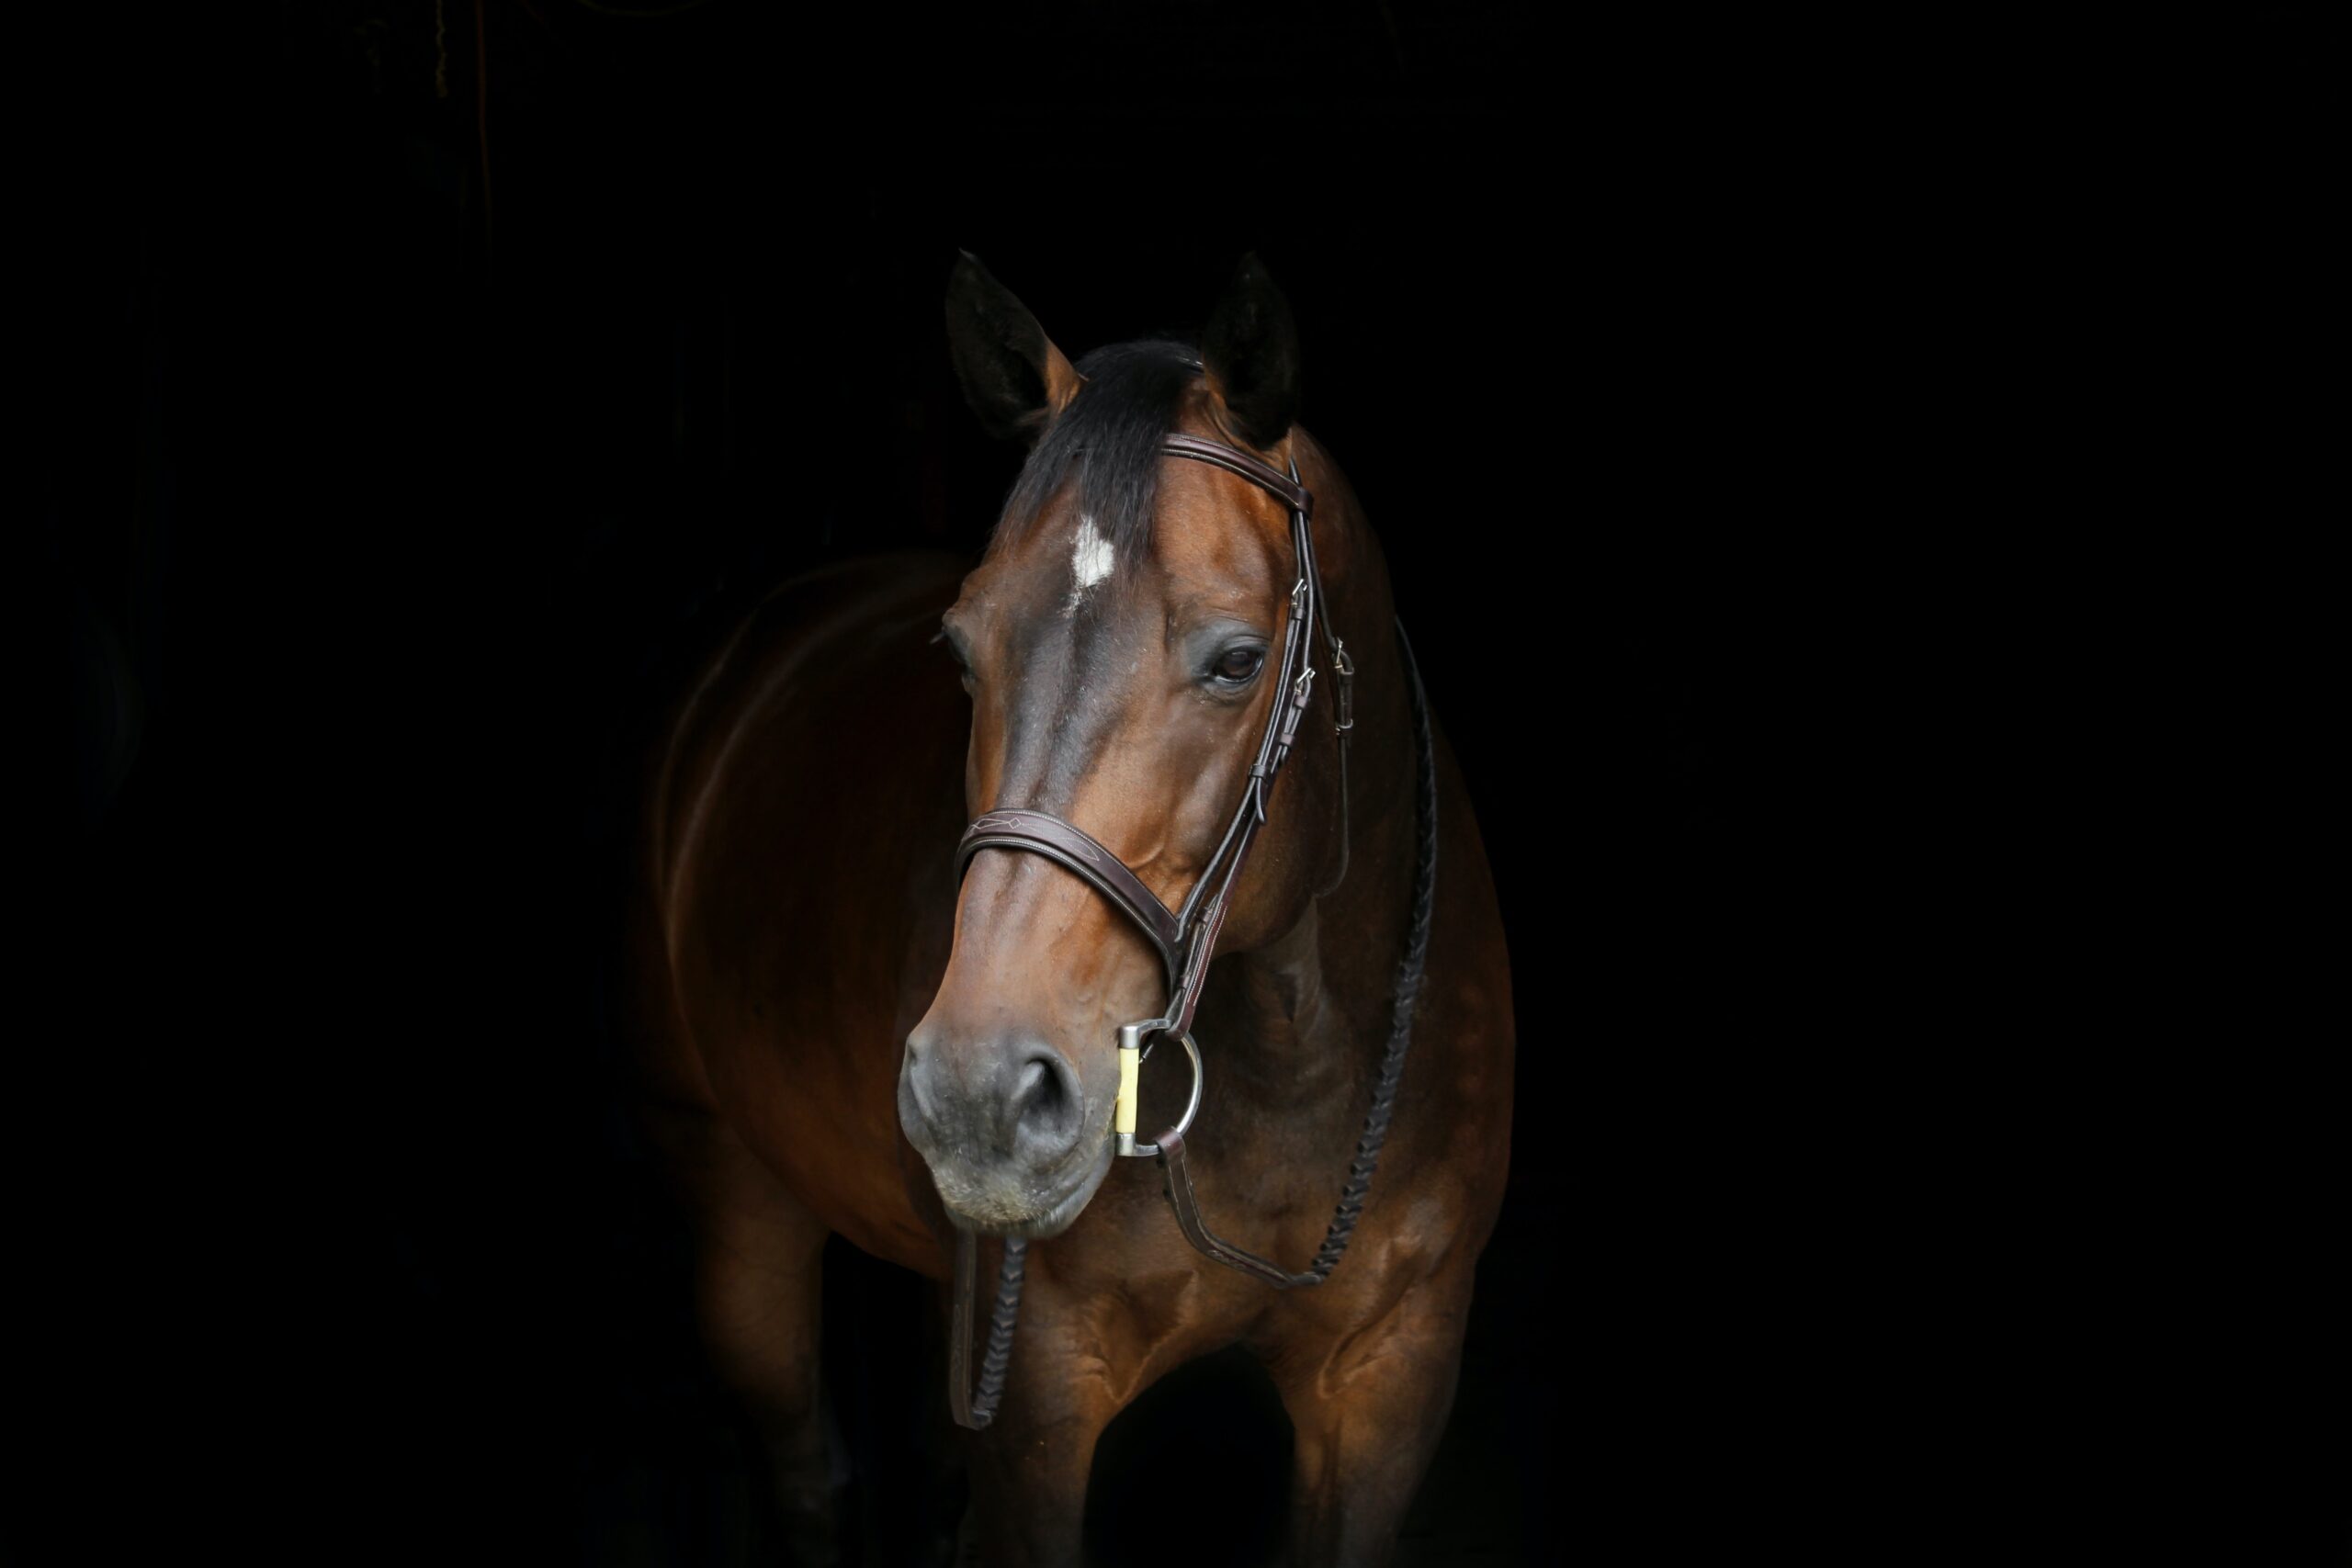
{"x": 1367, "y": 1416}
{"x": 759, "y": 1275}
{"x": 1030, "y": 1467}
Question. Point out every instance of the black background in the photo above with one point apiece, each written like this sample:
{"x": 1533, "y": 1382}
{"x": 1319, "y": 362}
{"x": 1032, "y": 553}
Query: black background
{"x": 392, "y": 445}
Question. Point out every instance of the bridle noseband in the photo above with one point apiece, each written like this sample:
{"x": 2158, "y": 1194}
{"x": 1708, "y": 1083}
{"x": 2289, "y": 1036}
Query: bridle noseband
{"x": 1186, "y": 939}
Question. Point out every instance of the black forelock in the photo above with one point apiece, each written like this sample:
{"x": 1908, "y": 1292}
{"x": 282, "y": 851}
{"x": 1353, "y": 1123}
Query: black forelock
{"x": 1107, "y": 443}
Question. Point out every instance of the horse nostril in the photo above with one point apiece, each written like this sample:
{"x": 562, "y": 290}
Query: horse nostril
{"x": 1036, "y": 1079}
{"x": 1044, "y": 1101}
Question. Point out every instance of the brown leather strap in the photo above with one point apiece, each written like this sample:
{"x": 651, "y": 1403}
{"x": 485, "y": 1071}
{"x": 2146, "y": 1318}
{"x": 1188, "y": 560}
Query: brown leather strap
{"x": 1188, "y": 1220}
{"x": 1234, "y": 461}
{"x": 1078, "y": 850}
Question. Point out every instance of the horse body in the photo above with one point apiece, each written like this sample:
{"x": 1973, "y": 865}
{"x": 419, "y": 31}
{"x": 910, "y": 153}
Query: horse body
{"x": 800, "y": 933}
{"x": 795, "y": 904}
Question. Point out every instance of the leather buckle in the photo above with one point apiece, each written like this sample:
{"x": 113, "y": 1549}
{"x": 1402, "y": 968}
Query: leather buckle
{"x": 1300, "y": 690}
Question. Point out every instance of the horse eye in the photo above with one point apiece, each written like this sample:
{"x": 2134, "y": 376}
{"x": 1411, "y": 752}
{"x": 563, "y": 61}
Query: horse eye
{"x": 1238, "y": 664}
{"x": 956, "y": 652}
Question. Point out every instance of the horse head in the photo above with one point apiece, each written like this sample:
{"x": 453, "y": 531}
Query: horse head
{"x": 1122, "y": 641}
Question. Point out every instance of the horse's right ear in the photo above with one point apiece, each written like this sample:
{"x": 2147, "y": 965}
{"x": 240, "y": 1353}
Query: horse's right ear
{"x": 1013, "y": 377}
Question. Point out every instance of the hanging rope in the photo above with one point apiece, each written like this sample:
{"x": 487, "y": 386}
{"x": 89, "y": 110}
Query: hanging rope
{"x": 975, "y": 1406}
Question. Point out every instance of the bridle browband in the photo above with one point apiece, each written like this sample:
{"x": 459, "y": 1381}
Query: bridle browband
{"x": 1186, "y": 939}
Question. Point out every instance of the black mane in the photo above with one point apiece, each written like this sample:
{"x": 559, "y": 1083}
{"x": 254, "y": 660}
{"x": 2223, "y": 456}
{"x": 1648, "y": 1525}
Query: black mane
{"x": 1111, "y": 431}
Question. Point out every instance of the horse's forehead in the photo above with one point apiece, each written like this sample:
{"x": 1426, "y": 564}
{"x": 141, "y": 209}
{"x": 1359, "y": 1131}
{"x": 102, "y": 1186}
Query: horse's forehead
{"x": 1209, "y": 542}
{"x": 1064, "y": 576}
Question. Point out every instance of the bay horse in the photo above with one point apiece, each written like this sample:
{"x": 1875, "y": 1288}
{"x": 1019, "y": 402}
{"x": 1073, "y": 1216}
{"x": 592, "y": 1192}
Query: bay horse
{"x": 848, "y": 1027}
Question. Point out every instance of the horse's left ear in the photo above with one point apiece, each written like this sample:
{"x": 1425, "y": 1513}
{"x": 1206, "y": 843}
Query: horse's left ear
{"x": 1251, "y": 352}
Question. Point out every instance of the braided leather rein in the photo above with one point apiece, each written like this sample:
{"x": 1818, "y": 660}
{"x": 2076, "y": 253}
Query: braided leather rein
{"x": 1186, "y": 939}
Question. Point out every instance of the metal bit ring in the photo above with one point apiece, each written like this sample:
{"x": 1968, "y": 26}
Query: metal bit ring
{"x": 1127, "y": 1143}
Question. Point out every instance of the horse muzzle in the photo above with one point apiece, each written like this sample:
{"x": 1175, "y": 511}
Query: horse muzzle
{"x": 1006, "y": 1129}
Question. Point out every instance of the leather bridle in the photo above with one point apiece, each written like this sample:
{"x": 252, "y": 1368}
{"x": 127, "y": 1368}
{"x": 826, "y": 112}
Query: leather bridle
{"x": 1186, "y": 939}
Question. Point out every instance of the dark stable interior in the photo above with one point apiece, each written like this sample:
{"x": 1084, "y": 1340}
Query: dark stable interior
{"x": 417, "y": 378}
